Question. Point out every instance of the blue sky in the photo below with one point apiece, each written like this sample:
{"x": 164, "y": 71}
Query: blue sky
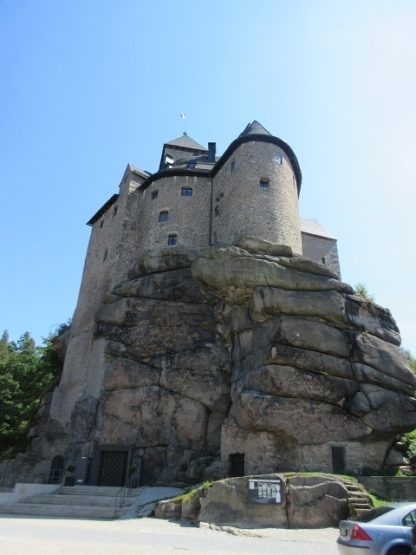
{"x": 87, "y": 87}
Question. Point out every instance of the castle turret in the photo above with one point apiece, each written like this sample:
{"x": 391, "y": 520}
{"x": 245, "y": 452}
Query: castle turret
{"x": 256, "y": 184}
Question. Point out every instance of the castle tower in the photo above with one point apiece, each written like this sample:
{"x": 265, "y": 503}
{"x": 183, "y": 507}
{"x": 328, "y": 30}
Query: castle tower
{"x": 175, "y": 202}
{"x": 256, "y": 185}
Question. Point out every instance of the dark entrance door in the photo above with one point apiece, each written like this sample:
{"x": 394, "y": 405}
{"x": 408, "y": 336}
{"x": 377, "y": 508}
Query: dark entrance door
{"x": 56, "y": 472}
{"x": 338, "y": 459}
{"x": 236, "y": 467}
{"x": 113, "y": 467}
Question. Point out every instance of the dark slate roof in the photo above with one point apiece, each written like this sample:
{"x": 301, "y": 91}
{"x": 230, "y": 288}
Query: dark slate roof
{"x": 139, "y": 171}
{"x": 186, "y": 142}
{"x": 254, "y": 128}
{"x": 102, "y": 210}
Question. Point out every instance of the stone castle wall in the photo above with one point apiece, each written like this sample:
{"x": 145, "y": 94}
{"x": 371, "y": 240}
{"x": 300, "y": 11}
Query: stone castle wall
{"x": 109, "y": 254}
{"x": 243, "y": 208}
{"x": 322, "y": 249}
{"x": 188, "y": 216}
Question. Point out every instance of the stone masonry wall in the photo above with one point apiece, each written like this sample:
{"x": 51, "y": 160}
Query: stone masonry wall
{"x": 107, "y": 261}
{"x": 242, "y": 208}
{"x": 188, "y": 216}
{"x": 322, "y": 250}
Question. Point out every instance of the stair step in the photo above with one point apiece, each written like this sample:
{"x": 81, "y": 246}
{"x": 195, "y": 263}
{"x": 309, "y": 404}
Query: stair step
{"x": 62, "y": 499}
{"x": 65, "y": 511}
{"x": 92, "y": 490}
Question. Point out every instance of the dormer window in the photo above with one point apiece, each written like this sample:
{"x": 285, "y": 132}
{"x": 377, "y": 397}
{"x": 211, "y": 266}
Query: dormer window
{"x": 169, "y": 160}
{"x": 264, "y": 183}
{"x": 163, "y": 216}
{"x": 278, "y": 158}
{"x": 155, "y": 194}
{"x": 186, "y": 191}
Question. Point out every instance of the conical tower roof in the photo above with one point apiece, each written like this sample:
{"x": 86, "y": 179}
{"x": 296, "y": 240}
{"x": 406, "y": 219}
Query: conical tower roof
{"x": 254, "y": 128}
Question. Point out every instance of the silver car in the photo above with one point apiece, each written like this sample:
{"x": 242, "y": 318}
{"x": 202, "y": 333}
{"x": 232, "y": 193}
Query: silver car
{"x": 383, "y": 531}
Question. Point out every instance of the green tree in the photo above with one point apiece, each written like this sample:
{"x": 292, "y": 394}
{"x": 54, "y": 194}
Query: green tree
{"x": 26, "y": 373}
{"x": 411, "y": 360}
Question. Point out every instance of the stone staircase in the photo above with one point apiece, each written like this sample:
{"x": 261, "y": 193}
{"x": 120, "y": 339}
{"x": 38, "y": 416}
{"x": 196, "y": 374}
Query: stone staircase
{"x": 359, "y": 501}
{"x": 93, "y": 502}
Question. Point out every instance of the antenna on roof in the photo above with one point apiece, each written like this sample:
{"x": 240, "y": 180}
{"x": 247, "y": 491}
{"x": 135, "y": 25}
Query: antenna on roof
{"x": 183, "y": 115}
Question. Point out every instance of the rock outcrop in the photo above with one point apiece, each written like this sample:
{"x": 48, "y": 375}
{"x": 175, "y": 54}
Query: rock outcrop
{"x": 306, "y": 502}
{"x": 246, "y": 352}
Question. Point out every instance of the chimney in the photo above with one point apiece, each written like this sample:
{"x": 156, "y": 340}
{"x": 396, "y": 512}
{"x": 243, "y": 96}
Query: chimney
{"x": 212, "y": 147}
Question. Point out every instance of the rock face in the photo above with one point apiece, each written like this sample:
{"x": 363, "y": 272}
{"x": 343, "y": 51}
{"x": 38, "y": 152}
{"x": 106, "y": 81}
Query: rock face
{"x": 306, "y": 502}
{"x": 245, "y": 360}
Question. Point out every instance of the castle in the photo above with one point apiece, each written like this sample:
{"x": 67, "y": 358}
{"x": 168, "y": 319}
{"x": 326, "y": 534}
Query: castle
{"x": 196, "y": 200}
{"x": 213, "y": 336}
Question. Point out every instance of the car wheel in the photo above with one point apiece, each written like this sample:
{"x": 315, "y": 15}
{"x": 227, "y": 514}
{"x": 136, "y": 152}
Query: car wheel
{"x": 400, "y": 551}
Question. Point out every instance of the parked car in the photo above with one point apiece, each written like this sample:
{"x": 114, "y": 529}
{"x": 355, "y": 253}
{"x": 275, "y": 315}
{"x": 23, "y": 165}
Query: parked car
{"x": 383, "y": 531}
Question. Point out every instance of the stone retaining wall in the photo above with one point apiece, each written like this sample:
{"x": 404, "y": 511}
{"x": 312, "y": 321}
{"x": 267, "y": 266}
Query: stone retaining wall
{"x": 389, "y": 487}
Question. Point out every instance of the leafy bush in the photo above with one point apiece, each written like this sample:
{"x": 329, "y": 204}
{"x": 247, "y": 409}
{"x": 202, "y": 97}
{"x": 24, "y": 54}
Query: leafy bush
{"x": 362, "y": 291}
{"x": 409, "y": 446}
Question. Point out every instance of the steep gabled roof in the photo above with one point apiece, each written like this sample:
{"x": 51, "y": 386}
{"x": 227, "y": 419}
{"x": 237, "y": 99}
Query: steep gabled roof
{"x": 186, "y": 142}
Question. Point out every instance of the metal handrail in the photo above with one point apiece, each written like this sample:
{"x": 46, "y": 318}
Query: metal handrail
{"x": 123, "y": 493}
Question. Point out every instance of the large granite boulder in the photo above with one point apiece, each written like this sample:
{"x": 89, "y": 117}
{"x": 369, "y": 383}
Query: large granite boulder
{"x": 244, "y": 351}
{"x": 304, "y": 502}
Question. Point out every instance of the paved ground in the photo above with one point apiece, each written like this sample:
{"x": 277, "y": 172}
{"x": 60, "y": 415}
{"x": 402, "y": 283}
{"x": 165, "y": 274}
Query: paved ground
{"x": 30, "y": 536}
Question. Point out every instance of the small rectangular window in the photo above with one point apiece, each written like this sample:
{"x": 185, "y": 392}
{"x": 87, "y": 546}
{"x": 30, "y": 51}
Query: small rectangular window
{"x": 232, "y": 167}
{"x": 163, "y": 216}
{"x": 186, "y": 191}
{"x": 264, "y": 183}
{"x": 172, "y": 239}
{"x": 155, "y": 194}
{"x": 278, "y": 158}
{"x": 323, "y": 260}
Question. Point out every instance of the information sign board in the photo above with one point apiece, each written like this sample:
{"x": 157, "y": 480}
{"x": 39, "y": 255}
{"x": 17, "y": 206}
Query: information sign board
{"x": 265, "y": 491}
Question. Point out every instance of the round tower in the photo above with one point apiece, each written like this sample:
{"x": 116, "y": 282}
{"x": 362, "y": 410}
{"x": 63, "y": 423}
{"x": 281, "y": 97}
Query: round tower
{"x": 256, "y": 186}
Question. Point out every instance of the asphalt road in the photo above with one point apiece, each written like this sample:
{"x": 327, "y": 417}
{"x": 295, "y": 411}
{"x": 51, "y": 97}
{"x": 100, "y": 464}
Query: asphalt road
{"x": 47, "y": 536}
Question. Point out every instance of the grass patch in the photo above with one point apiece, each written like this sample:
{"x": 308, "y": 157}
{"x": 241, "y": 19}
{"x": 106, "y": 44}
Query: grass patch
{"x": 320, "y": 474}
{"x": 377, "y": 501}
{"x": 190, "y": 493}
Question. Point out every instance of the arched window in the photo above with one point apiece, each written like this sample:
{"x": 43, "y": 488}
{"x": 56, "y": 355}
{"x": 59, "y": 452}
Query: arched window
{"x": 172, "y": 239}
{"x": 163, "y": 216}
